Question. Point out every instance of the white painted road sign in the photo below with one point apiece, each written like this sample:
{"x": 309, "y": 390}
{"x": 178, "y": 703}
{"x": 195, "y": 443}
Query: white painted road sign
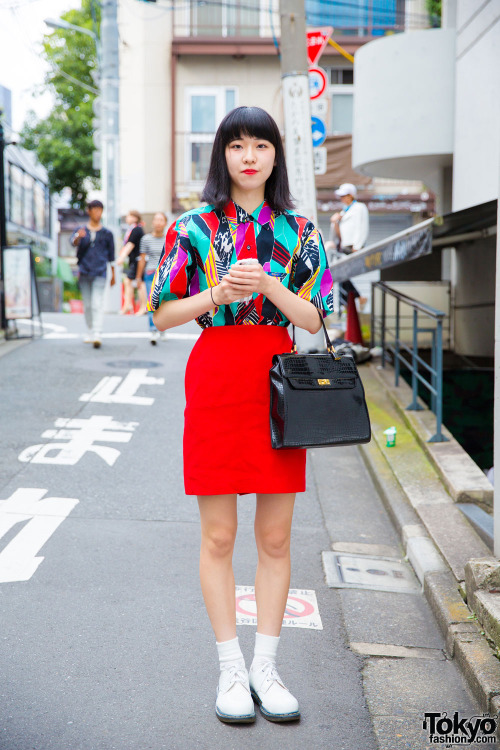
{"x": 19, "y": 558}
{"x": 319, "y": 160}
{"x": 318, "y": 128}
{"x": 317, "y": 82}
{"x": 301, "y": 609}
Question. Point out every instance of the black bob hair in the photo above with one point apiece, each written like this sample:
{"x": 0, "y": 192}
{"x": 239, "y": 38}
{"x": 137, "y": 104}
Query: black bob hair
{"x": 253, "y": 122}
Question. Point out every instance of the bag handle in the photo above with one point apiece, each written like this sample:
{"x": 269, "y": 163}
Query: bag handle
{"x": 329, "y": 346}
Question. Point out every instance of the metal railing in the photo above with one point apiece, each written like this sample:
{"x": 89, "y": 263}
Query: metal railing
{"x": 434, "y": 381}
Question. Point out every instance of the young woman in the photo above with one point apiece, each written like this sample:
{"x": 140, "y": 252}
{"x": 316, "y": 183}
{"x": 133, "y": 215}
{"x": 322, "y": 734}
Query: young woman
{"x": 151, "y": 249}
{"x": 227, "y": 444}
{"x": 130, "y": 250}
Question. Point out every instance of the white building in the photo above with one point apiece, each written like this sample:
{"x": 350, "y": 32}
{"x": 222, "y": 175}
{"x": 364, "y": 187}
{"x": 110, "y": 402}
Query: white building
{"x": 427, "y": 106}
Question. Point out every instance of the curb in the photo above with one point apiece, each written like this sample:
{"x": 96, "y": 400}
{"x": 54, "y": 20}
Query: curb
{"x": 464, "y": 640}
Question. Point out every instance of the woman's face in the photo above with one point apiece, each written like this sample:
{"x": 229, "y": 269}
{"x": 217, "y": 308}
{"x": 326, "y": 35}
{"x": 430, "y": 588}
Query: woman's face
{"x": 131, "y": 219}
{"x": 159, "y": 223}
{"x": 250, "y": 162}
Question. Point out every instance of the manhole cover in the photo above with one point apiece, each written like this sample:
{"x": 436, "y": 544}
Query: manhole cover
{"x": 131, "y": 363}
{"x": 364, "y": 572}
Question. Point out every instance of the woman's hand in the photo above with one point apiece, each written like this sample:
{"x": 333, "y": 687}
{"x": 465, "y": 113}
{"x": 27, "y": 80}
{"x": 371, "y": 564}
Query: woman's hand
{"x": 241, "y": 281}
{"x": 336, "y": 217}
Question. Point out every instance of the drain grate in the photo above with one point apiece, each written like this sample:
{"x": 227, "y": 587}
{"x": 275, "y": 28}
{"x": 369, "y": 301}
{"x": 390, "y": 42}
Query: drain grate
{"x": 356, "y": 571}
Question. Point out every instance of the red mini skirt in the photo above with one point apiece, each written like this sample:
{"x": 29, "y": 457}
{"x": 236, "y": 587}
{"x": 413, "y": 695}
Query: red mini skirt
{"x": 227, "y": 436}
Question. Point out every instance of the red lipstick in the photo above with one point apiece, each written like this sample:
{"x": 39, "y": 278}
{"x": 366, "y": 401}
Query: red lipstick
{"x": 249, "y": 171}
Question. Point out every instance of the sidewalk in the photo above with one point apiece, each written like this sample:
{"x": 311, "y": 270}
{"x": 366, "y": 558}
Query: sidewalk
{"x": 419, "y": 484}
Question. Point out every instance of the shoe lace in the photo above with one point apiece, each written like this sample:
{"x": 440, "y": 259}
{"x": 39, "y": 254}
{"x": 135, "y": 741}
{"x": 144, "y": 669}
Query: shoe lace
{"x": 237, "y": 674}
{"x": 271, "y": 673}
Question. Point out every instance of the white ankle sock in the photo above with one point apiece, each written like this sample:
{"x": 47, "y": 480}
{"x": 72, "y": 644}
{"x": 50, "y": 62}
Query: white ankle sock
{"x": 266, "y": 648}
{"x": 230, "y": 653}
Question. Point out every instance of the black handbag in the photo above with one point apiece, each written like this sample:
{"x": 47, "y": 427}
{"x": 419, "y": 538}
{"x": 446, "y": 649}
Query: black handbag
{"x": 317, "y": 400}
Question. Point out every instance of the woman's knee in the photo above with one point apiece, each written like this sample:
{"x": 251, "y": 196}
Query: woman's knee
{"x": 273, "y": 542}
{"x": 218, "y": 541}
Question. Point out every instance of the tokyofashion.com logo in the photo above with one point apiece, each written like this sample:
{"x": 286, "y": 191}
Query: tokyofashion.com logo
{"x": 450, "y": 730}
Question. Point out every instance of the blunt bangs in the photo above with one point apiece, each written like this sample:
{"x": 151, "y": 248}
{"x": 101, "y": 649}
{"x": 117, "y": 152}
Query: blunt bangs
{"x": 252, "y": 122}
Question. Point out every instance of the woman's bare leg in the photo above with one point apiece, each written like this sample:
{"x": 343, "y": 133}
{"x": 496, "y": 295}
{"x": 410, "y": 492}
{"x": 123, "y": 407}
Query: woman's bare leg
{"x": 128, "y": 296}
{"x": 273, "y": 523}
{"x": 219, "y": 523}
{"x": 141, "y": 293}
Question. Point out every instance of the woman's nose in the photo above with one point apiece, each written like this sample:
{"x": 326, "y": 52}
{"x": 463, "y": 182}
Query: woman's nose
{"x": 249, "y": 155}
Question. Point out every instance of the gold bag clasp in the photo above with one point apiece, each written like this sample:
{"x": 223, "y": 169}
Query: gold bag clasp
{"x": 323, "y": 381}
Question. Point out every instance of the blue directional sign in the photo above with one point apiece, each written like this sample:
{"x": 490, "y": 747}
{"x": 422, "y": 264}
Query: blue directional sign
{"x": 318, "y": 128}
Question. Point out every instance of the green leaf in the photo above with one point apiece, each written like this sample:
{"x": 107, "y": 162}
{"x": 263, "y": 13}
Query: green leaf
{"x": 63, "y": 140}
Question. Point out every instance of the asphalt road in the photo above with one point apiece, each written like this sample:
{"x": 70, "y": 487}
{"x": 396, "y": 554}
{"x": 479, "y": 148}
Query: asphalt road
{"x": 105, "y": 642}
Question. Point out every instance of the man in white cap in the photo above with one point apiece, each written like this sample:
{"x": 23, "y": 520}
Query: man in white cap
{"x": 350, "y": 230}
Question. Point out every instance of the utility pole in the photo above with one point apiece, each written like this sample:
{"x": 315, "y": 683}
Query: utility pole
{"x": 109, "y": 85}
{"x": 296, "y": 107}
{"x": 3, "y": 225}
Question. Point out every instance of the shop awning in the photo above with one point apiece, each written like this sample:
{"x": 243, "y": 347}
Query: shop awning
{"x": 409, "y": 244}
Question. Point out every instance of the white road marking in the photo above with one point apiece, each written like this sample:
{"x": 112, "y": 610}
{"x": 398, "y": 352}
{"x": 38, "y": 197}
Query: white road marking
{"x": 49, "y": 326}
{"x": 18, "y": 560}
{"x": 81, "y": 434}
{"x": 126, "y": 335}
{"x": 124, "y": 393}
{"x": 301, "y": 609}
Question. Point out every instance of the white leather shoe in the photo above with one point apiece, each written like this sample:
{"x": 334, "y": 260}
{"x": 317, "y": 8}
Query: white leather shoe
{"x": 234, "y": 702}
{"x": 268, "y": 691}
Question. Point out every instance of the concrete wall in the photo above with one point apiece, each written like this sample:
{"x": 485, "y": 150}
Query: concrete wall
{"x": 473, "y": 297}
{"x": 477, "y": 104}
{"x": 145, "y": 151}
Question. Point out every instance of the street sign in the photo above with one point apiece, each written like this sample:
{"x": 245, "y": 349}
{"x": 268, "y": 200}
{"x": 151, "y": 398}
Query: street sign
{"x": 319, "y": 108}
{"x": 317, "y": 39}
{"x": 319, "y": 155}
{"x": 317, "y": 82}
{"x": 318, "y": 128}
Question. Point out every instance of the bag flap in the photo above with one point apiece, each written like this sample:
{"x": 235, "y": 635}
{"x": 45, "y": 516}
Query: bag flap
{"x": 317, "y": 371}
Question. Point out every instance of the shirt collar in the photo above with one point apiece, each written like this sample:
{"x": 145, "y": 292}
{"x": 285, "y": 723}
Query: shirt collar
{"x": 262, "y": 214}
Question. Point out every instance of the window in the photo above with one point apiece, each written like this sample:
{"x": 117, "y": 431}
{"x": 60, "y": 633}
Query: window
{"x": 340, "y": 92}
{"x": 16, "y": 203}
{"x": 341, "y": 76}
{"x": 205, "y": 108}
{"x": 341, "y": 112}
{"x": 356, "y": 17}
{"x": 225, "y": 18}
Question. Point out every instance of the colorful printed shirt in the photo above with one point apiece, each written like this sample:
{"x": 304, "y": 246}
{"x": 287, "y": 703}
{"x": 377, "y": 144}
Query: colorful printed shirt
{"x": 202, "y": 244}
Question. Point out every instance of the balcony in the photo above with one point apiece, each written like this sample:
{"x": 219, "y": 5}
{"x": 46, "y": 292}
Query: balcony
{"x": 227, "y": 28}
{"x": 404, "y": 105}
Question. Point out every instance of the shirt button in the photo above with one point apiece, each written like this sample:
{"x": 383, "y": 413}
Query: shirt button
{"x": 248, "y": 247}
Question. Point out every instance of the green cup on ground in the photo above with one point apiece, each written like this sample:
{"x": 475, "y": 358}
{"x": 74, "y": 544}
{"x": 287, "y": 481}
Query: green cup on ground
{"x": 390, "y": 437}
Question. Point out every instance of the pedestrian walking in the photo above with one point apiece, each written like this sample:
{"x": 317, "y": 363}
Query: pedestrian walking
{"x": 350, "y": 229}
{"x": 227, "y": 442}
{"x": 132, "y": 280}
{"x": 151, "y": 250}
{"x": 96, "y": 248}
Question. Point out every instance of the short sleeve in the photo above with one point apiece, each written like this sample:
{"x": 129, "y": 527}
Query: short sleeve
{"x": 135, "y": 237}
{"x": 175, "y": 269}
{"x": 312, "y": 279}
{"x": 111, "y": 247}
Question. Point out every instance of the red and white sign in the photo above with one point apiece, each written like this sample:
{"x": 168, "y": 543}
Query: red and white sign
{"x": 317, "y": 39}
{"x": 317, "y": 82}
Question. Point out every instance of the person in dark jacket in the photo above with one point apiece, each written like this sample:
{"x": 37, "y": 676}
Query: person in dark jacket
{"x": 96, "y": 248}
